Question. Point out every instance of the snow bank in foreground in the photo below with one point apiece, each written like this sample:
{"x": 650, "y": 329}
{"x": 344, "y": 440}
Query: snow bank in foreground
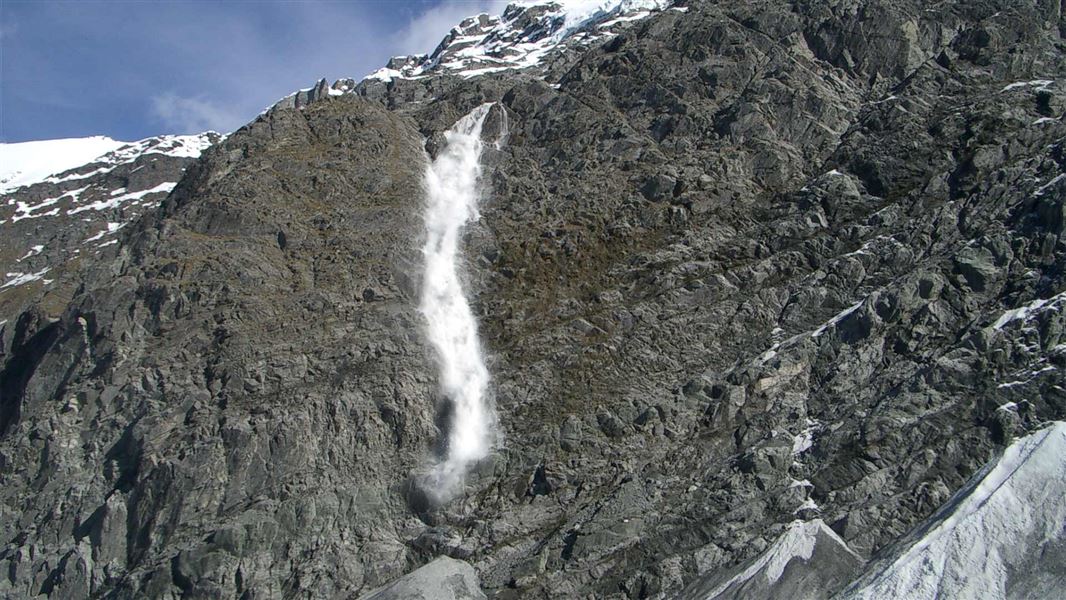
{"x": 805, "y": 562}
{"x": 1002, "y": 536}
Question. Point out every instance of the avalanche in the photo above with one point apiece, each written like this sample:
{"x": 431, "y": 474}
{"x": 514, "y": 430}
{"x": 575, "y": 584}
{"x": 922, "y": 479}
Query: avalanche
{"x": 452, "y": 194}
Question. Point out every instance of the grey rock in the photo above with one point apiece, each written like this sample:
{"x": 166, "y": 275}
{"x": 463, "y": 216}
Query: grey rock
{"x": 443, "y": 579}
{"x": 237, "y": 398}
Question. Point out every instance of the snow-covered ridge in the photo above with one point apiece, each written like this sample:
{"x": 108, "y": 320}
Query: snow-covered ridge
{"x": 29, "y": 163}
{"x": 26, "y": 163}
{"x": 53, "y": 162}
{"x": 521, "y": 37}
{"x": 60, "y": 198}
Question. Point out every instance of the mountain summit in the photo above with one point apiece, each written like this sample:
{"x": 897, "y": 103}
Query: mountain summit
{"x": 523, "y": 36}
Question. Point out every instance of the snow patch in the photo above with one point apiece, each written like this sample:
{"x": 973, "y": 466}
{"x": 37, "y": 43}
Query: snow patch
{"x": 111, "y": 228}
{"x": 1026, "y": 312}
{"x": 624, "y": 19}
{"x": 18, "y": 279}
{"x": 773, "y": 351}
{"x": 178, "y": 146}
{"x": 162, "y": 188}
{"x": 385, "y": 75}
{"x": 840, "y": 316}
{"x": 1040, "y": 190}
{"x": 804, "y": 440}
{"x": 26, "y": 211}
{"x": 77, "y": 176}
{"x": 34, "y": 251}
{"x": 1039, "y": 84}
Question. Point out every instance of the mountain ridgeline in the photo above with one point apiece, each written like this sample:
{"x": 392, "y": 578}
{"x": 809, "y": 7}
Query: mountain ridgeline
{"x": 770, "y": 297}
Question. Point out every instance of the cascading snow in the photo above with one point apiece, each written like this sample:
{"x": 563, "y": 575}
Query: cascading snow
{"x": 451, "y": 202}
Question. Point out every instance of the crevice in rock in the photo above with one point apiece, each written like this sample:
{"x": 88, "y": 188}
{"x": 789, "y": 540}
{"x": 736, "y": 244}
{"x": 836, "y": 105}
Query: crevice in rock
{"x": 29, "y": 348}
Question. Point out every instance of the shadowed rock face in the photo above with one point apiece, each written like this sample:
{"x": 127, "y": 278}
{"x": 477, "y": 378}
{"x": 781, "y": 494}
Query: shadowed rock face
{"x": 735, "y": 266}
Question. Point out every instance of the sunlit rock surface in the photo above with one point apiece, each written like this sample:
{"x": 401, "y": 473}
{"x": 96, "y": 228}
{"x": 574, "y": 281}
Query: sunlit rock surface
{"x": 737, "y": 265}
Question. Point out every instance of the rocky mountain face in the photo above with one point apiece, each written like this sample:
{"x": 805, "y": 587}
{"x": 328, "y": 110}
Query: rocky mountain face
{"x": 762, "y": 286}
{"x": 54, "y": 220}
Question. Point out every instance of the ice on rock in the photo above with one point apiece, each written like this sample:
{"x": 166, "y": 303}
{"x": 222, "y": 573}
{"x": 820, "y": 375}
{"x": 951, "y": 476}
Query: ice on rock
{"x": 17, "y": 279}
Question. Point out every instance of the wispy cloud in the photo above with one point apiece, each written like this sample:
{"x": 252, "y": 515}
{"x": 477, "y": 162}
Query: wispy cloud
{"x": 144, "y": 68}
{"x": 193, "y": 115}
{"x": 425, "y": 31}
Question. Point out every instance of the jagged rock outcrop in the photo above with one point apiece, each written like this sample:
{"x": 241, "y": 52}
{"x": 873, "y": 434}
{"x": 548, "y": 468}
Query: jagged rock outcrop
{"x": 738, "y": 264}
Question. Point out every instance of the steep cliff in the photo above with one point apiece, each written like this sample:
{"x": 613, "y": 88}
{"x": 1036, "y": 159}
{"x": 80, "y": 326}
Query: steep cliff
{"x": 737, "y": 265}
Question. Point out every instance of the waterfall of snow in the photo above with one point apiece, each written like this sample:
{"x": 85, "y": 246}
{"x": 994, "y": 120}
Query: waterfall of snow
{"x": 451, "y": 202}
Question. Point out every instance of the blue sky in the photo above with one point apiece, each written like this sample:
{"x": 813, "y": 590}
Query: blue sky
{"x": 131, "y": 69}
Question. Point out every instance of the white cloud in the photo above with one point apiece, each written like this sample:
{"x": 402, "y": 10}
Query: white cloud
{"x": 193, "y": 115}
{"x": 262, "y": 68}
{"x": 424, "y": 32}
{"x": 243, "y": 82}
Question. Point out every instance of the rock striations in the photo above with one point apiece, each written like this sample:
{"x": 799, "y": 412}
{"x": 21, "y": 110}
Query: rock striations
{"x": 771, "y": 294}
